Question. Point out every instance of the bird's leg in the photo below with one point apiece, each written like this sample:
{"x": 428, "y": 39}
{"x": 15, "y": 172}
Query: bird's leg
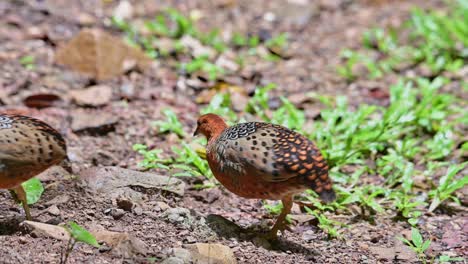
{"x": 280, "y": 224}
{"x": 20, "y": 195}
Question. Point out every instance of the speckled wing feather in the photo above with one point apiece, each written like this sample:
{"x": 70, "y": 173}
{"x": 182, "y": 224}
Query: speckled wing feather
{"x": 27, "y": 147}
{"x": 272, "y": 152}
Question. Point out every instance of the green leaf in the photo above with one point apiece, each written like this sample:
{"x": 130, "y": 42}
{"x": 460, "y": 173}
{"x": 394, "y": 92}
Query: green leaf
{"x": 79, "y": 233}
{"x": 416, "y": 237}
{"x": 34, "y": 189}
{"x": 426, "y": 245}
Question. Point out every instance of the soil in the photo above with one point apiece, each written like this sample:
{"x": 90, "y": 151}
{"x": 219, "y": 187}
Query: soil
{"x": 318, "y": 32}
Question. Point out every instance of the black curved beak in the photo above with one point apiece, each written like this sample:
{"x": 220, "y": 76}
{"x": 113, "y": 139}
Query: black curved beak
{"x": 196, "y": 132}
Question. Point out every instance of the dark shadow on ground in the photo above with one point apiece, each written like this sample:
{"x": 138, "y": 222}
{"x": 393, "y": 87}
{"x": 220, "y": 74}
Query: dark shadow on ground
{"x": 227, "y": 229}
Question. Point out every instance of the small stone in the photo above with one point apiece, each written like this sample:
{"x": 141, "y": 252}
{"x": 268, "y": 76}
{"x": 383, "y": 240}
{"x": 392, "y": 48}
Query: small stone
{"x": 177, "y": 215}
{"x": 125, "y": 204}
{"x": 211, "y": 253}
{"x": 53, "y": 210}
{"x": 117, "y": 213}
{"x": 124, "y": 10}
{"x": 45, "y": 230}
{"x": 138, "y": 210}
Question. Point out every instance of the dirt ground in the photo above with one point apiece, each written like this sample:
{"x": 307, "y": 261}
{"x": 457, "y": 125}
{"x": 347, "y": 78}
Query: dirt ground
{"x": 318, "y": 32}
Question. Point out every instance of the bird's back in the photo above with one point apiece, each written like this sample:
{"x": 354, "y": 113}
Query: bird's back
{"x": 28, "y": 146}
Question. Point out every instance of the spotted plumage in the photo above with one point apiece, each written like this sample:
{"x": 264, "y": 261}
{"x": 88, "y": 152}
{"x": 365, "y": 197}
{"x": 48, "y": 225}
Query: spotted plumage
{"x": 28, "y": 146}
{"x": 264, "y": 161}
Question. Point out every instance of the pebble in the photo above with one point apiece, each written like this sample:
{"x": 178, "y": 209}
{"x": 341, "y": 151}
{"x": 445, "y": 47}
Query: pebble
{"x": 117, "y": 213}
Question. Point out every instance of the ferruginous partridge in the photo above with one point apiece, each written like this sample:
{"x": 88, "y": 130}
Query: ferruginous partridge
{"x": 264, "y": 161}
{"x": 28, "y": 146}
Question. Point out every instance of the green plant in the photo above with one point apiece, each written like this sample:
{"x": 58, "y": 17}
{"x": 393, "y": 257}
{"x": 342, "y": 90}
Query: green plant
{"x": 406, "y": 206}
{"x": 77, "y": 234}
{"x": 274, "y": 209}
{"x": 280, "y": 41}
{"x": 438, "y": 41}
{"x": 417, "y": 244}
{"x": 445, "y": 258}
{"x": 172, "y": 124}
{"x": 34, "y": 189}
{"x": 190, "y": 162}
{"x": 151, "y": 158}
{"x": 28, "y": 62}
{"x": 203, "y": 64}
{"x": 365, "y": 197}
{"x": 447, "y": 186}
{"x": 326, "y": 224}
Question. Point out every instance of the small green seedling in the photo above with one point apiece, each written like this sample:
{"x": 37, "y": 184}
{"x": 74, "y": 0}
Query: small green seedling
{"x": 417, "y": 244}
{"x": 77, "y": 234}
{"x": 447, "y": 186}
{"x": 151, "y": 158}
{"x": 366, "y": 197}
{"x": 34, "y": 189}
{"x": 172, "y": 124}
{"x": 326, "y": 224}
{"x": 274, "y": 209}
{"x": 203, "y": 64}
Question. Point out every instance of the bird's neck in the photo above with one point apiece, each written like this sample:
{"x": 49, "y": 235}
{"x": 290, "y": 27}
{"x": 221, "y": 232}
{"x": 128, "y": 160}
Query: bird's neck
{"x": 215, "y": 131}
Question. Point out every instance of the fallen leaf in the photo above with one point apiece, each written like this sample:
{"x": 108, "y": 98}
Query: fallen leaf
{"x": 41, "y": 100}
{"x": 99, "y": 54}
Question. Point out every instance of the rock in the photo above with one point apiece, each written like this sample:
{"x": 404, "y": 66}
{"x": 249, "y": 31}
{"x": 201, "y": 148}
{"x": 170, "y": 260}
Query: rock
{"x": 61, "y": 199}
{"x": 92, "y": 96}
{"x": 177, "y": 215}
{"x": 124, "y": 10}
{"x": 54, "y": 173}
{"x": 117, "y": 213}
{"x": 125, "y": 204}
{"x": 211, "y": 253}
{"x": 183, "y": 254}
{"x": 107, "y": 180}
{"x": 398, "y": 252}
{"x": 174, "y": 260}
{"x": 123, "y": 244}
{"x": 100, "y": 55}
{"x": 53, "y": 210}
{"x": 92, "y": 122}
{"x": 45, "y": 230}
